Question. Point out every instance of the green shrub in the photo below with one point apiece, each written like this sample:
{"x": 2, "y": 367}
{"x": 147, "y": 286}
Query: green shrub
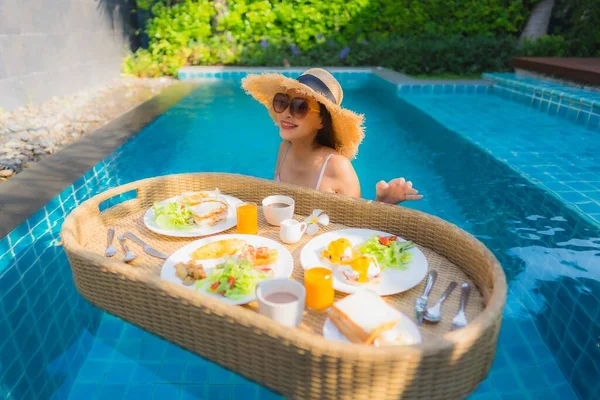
{"x": 457, "y": 55}
{"x": 414, "y": 36}
{"x": 579, "y": 22}
{"x": 546, "y": 46}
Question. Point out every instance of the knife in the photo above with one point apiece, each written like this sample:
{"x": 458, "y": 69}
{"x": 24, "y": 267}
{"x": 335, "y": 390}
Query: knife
{"x": 147, "y": 249}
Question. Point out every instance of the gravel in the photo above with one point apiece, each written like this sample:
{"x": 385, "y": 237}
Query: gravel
{"x": 30, "y": 133}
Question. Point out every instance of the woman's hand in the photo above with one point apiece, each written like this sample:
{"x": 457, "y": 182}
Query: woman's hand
{"x": 396, "y": 191}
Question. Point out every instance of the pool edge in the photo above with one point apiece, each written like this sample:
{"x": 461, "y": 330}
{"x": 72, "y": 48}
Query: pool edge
{"x": 32, "y": 189}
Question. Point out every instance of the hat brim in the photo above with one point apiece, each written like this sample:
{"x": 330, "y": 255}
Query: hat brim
{"x": 347, "y": 125}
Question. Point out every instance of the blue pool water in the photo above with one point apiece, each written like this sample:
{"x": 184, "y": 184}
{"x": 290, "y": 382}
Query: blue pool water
{"x": 55, "y": 345}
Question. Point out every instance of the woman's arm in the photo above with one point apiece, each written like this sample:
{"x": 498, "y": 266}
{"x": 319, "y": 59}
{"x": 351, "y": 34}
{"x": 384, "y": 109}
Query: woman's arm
{"x": 342, "y": 177}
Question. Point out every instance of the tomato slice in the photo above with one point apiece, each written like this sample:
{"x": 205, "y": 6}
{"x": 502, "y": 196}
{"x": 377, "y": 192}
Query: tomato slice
{"x": 385, "y": 240}
{"x": 231, "y": 282}
{"x": 214, "y": 286}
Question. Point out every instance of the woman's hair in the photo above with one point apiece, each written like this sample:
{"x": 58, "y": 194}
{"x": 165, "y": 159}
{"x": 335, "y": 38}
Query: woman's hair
{"x": 325, "y": 136}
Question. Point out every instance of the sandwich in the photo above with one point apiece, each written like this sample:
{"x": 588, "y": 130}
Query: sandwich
{"x": 338, "y": 252}
{"x": 364, "y": 317}
{"x": 209, "y": 211}
{"x": 361, "y": 270}
{"x": 194, "y": 198}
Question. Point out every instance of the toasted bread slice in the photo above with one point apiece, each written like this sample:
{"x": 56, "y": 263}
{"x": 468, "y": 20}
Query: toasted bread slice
{"x": 363, "y": 316}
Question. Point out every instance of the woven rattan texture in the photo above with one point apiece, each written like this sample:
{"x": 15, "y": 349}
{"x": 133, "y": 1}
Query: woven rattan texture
{"x": 296, "y": 362}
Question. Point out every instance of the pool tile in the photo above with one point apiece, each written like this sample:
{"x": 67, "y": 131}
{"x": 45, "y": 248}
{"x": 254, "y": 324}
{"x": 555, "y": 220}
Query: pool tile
{"x": 266, "y": 394}
{"x": 92, "y": 371}
{"x": 119, "y": 372}
{"x": 544, "y": 394}
{"x": 163, "y": 392}
{"x": 484, "y": 396}
{"x": 513, "y": 396}
{"x": 112, "y": 392}
{"x": 171, "y": 372}
{"x": 196, "y": 372}
{"x": 174, "y": 353}
{"x": 521, "y": 355}
{"x": 110, "y": 328}
{"x": 145, "y": 372}
{"x": 591, "y": 207}
{"x": 533, "y": 379}
{"x": 139, "y": 391}
{"x": 219, "y": 375}
{"x": 249, "y": 392}
{"x": 194, "y": 392}
{"x": 220, "y": 392}
{"x": 84, "y": 391}
{"x": 564, "y": 392}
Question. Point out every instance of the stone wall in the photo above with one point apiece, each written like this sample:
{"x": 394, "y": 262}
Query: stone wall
{"x": 56, "y": 47}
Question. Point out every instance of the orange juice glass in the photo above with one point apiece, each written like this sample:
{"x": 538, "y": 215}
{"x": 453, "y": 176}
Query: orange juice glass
{"x": 318, "y": 283}
{"x": 247, "y": 218}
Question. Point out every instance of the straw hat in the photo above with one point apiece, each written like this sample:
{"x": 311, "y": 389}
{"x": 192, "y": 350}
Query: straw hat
{"x": 322, "y": 86}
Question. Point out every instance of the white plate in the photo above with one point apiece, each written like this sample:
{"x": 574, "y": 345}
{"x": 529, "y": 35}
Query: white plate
{"x": 283, "y": 268}
{"x": 392, "y": 280}
{"x": 404, "y": 325}
{"x": 227, "y": 223}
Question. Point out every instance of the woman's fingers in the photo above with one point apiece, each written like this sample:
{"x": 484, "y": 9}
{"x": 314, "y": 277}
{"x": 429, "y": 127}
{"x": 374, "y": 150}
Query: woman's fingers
{"x": 414, "y": 196}
{"x": 382, "y": 185}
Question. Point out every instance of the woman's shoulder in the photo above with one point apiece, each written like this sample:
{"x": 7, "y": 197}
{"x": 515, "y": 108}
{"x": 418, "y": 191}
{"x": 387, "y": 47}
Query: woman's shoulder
{"x": 339, "y": 166}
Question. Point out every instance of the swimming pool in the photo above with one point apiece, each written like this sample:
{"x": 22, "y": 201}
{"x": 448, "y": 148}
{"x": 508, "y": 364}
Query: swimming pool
{"x": 53, "y": 344}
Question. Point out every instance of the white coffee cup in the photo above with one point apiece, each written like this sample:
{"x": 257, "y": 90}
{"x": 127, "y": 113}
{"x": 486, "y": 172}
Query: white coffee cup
{"x": 282, "y": 300}
{"x": 291, "y": 231}
{"x": 278, "y": 208}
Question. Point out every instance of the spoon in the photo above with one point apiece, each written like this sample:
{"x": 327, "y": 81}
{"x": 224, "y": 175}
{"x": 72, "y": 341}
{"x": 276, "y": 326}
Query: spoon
{"x": 129, "y": 256}
{"x": 434, "y": 314}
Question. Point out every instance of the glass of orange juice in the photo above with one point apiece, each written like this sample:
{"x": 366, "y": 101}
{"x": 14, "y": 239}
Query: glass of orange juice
{"x": 318, "y": 282}
{"x": 247, "y": 218}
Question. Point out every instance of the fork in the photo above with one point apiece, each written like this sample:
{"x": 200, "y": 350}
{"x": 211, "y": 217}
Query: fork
{"x": 460, "y": 319}
{"x": 129, "y": 256}
{"x": 421, "y": 303}
{"x": 110, "y": 249}
{"x": 434, "y": 314}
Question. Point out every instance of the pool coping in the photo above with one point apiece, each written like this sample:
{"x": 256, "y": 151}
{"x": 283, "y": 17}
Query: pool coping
{"x": 390, "y": 75}
{"x": 30, "y": 190}
{"x": 24, "y": 194}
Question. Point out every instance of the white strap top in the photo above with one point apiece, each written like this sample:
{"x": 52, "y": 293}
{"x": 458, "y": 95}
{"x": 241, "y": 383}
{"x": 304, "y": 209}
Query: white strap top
{"x": 321, "y": 173}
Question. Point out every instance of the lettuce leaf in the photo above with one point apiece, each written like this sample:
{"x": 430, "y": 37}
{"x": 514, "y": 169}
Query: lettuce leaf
{"x": 234, "y": 279}
{"x": 395, "y": 255}
{"x": 174, "y": 216}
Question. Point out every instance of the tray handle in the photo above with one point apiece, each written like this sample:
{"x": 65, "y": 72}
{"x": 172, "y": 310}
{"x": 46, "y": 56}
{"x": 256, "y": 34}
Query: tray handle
{"x": 116, "y": 195}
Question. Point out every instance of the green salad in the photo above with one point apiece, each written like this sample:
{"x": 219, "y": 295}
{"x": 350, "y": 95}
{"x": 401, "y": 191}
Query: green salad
{"x": 389, "y": 252}
{"x": 233, "y": 279}
{"x": 173, "y": 215}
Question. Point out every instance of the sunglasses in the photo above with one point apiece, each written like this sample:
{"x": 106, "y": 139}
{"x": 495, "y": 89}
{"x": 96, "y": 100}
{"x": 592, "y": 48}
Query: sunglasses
{"x": 299, "y": 107}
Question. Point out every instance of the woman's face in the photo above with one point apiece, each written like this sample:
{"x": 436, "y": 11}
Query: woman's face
{"x": 291, "y": 128}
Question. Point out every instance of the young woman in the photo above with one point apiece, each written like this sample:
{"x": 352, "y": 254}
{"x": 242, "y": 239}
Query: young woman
{"x": 319, "y": 136}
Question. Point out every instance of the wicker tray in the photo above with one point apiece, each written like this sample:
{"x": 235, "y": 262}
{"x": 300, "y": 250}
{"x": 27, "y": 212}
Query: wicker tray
{"x": 298, "y": 363}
